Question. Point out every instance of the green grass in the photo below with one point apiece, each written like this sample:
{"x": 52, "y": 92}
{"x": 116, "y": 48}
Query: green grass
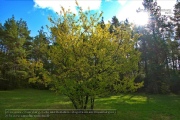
{"x": 128, "y": 106}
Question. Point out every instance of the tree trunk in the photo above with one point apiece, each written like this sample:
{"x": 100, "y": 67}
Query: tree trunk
{"x": 167, "y": 66}
{"x": 74, "y": 104}
{"x": 92, "y": 103}
{"x": 86, "y": 102}
{"x": 81, "y": 102}
{"x": 173, "y": 64}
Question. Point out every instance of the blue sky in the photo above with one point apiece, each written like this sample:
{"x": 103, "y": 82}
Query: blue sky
{"x": 36, "y": 12}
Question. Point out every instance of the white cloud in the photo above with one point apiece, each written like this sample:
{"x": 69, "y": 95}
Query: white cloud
{"x": 108, "y": 0}
{"x": 55, "y": 5}
{"x": 122, "y": 2}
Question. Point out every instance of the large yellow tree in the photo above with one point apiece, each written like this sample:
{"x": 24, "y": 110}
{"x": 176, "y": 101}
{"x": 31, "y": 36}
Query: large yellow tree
{"x": 88, "y": 60}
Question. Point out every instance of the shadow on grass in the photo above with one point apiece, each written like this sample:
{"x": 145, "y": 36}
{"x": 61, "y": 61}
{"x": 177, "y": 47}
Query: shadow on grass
{"x": 128, "y": 106}
{"x": 142, "y": 107}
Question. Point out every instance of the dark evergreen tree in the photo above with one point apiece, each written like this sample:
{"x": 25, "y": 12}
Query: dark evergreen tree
{"x": 13, "y": 36}
{"x": 176, "y": 20}
{"x": 114, "y": 24}
{"x": 154, "y": 48}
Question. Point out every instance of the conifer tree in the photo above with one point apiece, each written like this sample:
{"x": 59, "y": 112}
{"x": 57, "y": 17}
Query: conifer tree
{"x": 14, "y": 35}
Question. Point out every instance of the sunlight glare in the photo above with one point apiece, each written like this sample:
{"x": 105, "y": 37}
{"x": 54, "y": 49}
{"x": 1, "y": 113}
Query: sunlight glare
{"x": 141, "y": 18}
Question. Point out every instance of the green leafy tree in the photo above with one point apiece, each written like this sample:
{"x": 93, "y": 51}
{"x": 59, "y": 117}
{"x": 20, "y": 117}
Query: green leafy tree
{"x": 40, "y": 44}
{"x": 87, "y": 59}
{"x": 38, "y": 55}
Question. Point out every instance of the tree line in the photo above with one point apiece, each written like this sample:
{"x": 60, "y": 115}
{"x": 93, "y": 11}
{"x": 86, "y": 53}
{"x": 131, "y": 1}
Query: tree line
{"x": 84, "y": 57}
{"x": 160, "y": 58}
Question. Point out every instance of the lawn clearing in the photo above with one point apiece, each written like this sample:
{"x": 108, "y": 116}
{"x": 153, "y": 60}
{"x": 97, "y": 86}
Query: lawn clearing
{"x": 128, "y": 106}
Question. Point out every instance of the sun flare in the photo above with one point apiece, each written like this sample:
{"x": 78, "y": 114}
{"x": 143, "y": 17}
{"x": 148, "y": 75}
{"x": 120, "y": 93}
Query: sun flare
{"x": 141, "y": 18}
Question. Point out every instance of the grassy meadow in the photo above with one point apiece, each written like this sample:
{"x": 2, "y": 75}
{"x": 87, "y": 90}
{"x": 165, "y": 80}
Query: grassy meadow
{"x": 128, "y": 106}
